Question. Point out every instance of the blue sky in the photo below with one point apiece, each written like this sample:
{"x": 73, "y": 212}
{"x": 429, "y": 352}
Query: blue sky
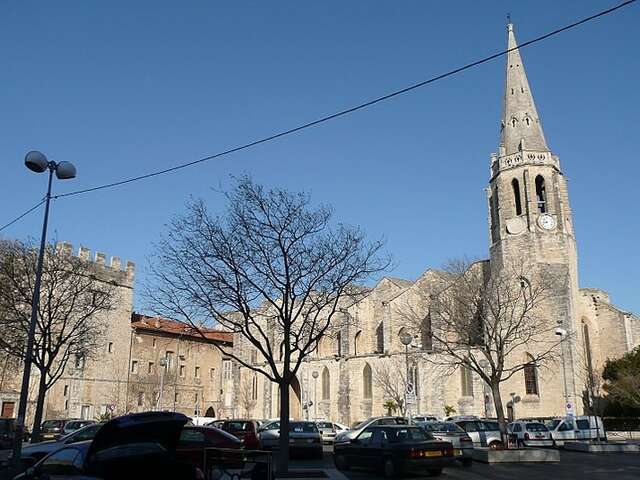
{"x": 121, "y": 88}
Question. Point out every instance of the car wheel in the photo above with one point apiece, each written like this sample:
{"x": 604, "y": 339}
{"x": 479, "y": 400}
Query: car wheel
{"x": 341, "y": 462}
{"x": 467, "y": 462}
{"x": 389, "y": 469}
{"x": 495, "y": 445}
{"x": 434, "y": 472}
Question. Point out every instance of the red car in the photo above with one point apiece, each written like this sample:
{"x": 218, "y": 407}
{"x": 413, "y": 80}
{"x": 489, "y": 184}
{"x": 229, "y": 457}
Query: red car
{"x": 194, "y": 440}
{"x": 245, "y": 430}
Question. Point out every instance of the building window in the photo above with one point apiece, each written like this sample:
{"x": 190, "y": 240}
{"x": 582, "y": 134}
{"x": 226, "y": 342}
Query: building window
{"x": 380, "y": 338}
{"x": 85, "y": 412}
{"x": 466, "y": 379}
{"x": 182, "y": 370}
{"x": 66, "y": 404}
{"x": 66, "y": 390}
{"x": 356, "y": 341}
{"x": 79, "y": 363}
{"x": 254, "y": 387}
{"x": 367, "y": 391}
{"x": 154, "y": 343}
{"x": 134, "y": 366}
{"x": 516, "y": 195}
{"x": 212, "y": 374}
{"x": 426, "y": 336}
{"x": 110, "y": 347}
{"x": 541, "y": 194}
{"x": 196, "y": 398}
{"x": 140, "y": 399}
{"x": 176, "y": 397}
{"x": 339, "y": 344}
{"x": 196, "y": 373}
{"x": 326, "y": 384}
{"x": 169, "y": 357}
{"x": 150, "y": 367}
{"x": 226, "y": 369}
{"x": 530, "y": 377}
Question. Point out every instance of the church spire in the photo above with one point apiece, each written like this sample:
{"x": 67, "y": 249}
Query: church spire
{"x": 521, "y": 127}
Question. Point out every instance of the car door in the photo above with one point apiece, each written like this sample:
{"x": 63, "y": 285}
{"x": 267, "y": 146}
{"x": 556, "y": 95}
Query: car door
{"x": 358, "y": 453}
{"x": 372, "y": 453}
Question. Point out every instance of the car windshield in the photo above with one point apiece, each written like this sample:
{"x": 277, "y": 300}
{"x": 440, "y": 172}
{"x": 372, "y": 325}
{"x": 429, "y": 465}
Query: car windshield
{"x": 536, "y": 427}
{"x": 362, "y": 423}
{"x": 52, "y": 424}
{"x": 408, "y": 434}
{"x": 271, "y": 426}
{"x": 303, "y": 427}
{"x": 83, "y": 434}
{"x": 442, "y": 427}
{"x": 238, "y": 426}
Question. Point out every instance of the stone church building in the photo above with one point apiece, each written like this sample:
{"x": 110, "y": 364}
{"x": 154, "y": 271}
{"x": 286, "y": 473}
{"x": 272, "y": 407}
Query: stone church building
{"x": 530, "y": 221}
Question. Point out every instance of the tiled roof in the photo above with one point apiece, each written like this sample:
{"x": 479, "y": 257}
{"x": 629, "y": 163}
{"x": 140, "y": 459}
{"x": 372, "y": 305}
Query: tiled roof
{"x": 174, "y": 327}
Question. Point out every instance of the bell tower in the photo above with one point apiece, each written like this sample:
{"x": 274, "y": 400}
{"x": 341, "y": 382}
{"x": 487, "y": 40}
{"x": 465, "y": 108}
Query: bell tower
{"x": 529, "y": 213}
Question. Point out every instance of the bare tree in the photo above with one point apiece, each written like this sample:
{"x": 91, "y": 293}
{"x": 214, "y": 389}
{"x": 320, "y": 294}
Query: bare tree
{"x": 484, "y": 320}
{"x": 72, "y": 298}
{"x": 272, "y": 269}
{"x": 390, "y": 376}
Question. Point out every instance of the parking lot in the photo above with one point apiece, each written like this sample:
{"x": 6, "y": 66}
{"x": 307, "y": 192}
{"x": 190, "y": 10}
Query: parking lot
{"x": 573, "y": 465}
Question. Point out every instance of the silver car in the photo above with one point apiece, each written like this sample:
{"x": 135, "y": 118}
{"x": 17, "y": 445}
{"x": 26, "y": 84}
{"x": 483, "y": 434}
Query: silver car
{"x": 348, "y": 435}
{"x": 304, "y": 437}
{"x": 450, "y": 432}
{"x": 532, "y": 434}
{"x": 40, "y": 449}
{"x": 484, "y": 433}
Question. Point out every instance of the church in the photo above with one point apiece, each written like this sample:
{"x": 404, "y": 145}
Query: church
{"x": 530, "y": 221}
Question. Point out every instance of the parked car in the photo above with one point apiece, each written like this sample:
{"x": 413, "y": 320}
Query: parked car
{"x": 140, "y": 445}
{"x": 395, "y": 450}
{"x": 340, "y": 427}
{"x": 424, "y": 418}
{"x": 450, "y": 432}
{"x": 328, "y": 431}
{"x": 531, "y": 434}
{"x": 195, "y": 439}
{"x": 7, "y": 433}
{"x": 484, "y": 433}
{"x": 74, "y": 425}
{"x": 583, "y": 427}
{"x": 304, "y": 437}
{"x": 53, "y": 429}
{"x": 245, "y": 430}
{"x": 349, "y": 435}
{"x": 40, "y": 449}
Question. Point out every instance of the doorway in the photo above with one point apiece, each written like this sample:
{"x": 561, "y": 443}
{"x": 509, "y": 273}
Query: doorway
{"x": 8, "y": 409}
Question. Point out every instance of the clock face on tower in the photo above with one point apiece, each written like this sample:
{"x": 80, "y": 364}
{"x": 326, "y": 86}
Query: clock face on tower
{"x": 546, "y": 221}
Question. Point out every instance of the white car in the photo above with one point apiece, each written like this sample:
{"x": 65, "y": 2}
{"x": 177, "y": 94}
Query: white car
{"x": 484, "y": 433}
{"x": 583, "y": 427}
{"x": 531, "y": 434}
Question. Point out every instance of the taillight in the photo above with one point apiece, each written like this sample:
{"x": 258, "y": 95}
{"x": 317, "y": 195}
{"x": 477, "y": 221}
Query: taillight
{"x": 526, "y": 435}
{"x": 413, "y": 454}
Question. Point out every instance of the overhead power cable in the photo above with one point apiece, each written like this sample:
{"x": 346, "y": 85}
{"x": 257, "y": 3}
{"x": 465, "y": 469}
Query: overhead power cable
{"x": 7, "y": 225}
{"x": 346, "y": 111}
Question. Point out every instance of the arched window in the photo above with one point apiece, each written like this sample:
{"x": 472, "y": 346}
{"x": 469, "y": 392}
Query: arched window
{"x": 380, "y": 338}
{"x": 426, "y": 336}
{"x": 367, "y": 391}
{"x": 254, "y": 387}
{"x": 339, "y": 344}
{"x": 541, "y": 194}
{"x": 530, "y": 377}
{"x": 516, "y": 195}
{"x": 326, "y": 384}
{"x": 466, "y": 380}
{"x": 356, "y": 341}
{"x": 587, "y": 354}
{"x": 513, "y": 121}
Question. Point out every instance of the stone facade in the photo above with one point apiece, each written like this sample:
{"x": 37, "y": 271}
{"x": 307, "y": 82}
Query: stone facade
{"x": 530, "y": 222}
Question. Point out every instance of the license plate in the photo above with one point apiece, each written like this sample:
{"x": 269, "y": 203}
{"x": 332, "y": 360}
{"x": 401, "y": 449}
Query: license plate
{"x": 457, "y": 451}
{"x": 433, "y": 453}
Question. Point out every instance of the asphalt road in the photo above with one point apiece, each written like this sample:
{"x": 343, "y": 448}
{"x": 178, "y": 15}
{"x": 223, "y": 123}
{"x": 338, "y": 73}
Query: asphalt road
{"x": 573, "y": 465}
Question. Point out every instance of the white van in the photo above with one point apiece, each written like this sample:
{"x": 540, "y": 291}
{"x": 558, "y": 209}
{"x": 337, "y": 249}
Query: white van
{"x": 583, "y": 427}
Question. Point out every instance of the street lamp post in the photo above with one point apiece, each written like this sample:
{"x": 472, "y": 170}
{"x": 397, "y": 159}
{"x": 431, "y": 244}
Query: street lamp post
{"x": 562, "y": 333}
{"x": 406, "y": 338}
{"x": 315, "y": 394}
{"x": 36, "y": 162}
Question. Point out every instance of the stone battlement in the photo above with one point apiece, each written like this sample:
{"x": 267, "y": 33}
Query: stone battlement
{"x": 123, "y": 273}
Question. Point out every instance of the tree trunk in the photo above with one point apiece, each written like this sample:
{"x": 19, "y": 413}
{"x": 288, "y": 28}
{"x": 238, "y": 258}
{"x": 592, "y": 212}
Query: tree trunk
{"x": 37, "y": 418}
{"x": 283, "y": 455}
{"x": 497, "y": 403}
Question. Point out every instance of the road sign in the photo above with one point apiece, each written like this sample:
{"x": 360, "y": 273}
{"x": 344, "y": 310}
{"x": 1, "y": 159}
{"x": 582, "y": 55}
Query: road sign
{"x": 409, "y": 390}
{"x": 410, "y": 398}
{"x": 569, "y": 409}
